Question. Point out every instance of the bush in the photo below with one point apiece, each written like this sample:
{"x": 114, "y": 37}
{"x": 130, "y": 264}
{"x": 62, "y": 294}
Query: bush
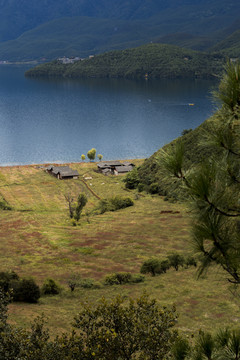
{"x": 50, "y": 287}
{"x": 140, "y": 187}
{"x": 6, "y": 278}
{"x": 131, "y": 180}
{"x": 89, "y": 284}
{"x": 4, "y": 205}
{"x": 104, "y": 205}
{"x": 121, "y": 203}
{"x": 190, "y": 261}
{"x": 176, "y": 260}
{"x": 151, "y": 266}
{"x": 164, "y": 266}
{"x": 154, "y": 188}
{"x": 138, "y": 329}
{"x": 25, "y": 290}
{"x": 115, "y": 203}
{"x": 123, "y": 278}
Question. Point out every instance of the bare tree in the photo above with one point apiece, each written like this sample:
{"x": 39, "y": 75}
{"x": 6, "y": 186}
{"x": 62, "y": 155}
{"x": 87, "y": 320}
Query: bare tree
{"x": 69, "y": 198}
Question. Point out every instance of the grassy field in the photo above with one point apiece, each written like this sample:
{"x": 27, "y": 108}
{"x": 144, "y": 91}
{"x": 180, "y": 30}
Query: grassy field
{"x": 38, "y": 240}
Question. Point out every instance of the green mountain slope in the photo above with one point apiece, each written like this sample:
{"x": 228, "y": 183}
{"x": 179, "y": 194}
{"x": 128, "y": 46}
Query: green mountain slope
{"x": 78, "y": 36}
{"x": 18, "y": 16}
{"x": 51, "y": 28}
{"x": 230, "y": 45}
{"x": 187, "y": 40}
{"x": 155, "y": 60}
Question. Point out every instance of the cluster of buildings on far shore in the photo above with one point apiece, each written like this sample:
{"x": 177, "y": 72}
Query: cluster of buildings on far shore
{"x": 106, "y": 168}
{"x": 72, "y": 60}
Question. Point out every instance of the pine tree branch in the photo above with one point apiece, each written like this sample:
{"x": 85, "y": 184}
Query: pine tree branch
{"x": 224, "y": 213}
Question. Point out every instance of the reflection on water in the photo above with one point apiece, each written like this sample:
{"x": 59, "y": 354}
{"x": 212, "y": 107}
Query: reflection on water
{"x": 58, "y": 120}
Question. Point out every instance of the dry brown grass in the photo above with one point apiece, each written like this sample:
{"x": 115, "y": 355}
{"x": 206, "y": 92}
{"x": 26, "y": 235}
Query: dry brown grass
{"x": 38, "y": 239}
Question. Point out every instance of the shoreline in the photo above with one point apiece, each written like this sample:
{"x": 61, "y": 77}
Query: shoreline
{"x": 45, "y": 164}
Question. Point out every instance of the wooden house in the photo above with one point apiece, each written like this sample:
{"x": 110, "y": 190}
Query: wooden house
{"x": 115, "y": 167}
{"x": 62, "y": 172}
{"x": 120, "y": 170}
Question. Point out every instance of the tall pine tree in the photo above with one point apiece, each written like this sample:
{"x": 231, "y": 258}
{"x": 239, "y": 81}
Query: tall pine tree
{"x": 214, "y": 186}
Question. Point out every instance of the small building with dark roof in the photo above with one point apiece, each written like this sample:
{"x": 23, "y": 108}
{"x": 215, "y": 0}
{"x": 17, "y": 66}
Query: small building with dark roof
{"x": 122, "y": 169}
{"x": 114, "y": 167}
{"x": 62, "y": 172}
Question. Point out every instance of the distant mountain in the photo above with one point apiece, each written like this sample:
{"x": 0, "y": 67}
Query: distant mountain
{"x": 50, "y": 28}
{"x": 18, "y": 16}
{"x": 151, "y": 61}
{"x": 230, "y": 45}
{"x": 77, "y": 36}
{"x": 187, "y": 40}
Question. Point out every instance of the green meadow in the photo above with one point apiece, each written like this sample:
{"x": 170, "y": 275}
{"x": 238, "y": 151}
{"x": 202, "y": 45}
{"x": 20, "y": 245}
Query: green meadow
{"x": 39, "y": 240}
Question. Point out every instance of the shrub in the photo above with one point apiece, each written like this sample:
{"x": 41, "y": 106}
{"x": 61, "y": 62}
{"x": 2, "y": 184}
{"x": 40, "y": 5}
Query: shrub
{"x": 138, "y": 329}
{"x": 131, "y": 180}
{"x": 121, "y": 203}
{"x": 25, "y": 290}
{"x": 164, "y": 266}
{"x": 140, "y": 187}
{"x": 89, "y": 284}
{"x": 151, "y": 266}
{"x": 4, "y": 205}
{"x": 180, "y": 349}
{"x": 120, "y": 278}
{"x": 111, "y": 280}
{"x": 50, "y": 287}
{"x": 154, "y": 188}
{"x": 104, "y": 205}
{"x": 74, "y": 281}
{"x": 190, "y": 261}
{"x": 115, "y": 203}
{"x": 176, "y": 260}
{"x": 6, "y": 278}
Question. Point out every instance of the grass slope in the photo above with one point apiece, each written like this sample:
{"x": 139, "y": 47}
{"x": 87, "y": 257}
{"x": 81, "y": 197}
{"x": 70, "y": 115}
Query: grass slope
{"x": 156, "y": 60}
{"x": 37, "y": 239}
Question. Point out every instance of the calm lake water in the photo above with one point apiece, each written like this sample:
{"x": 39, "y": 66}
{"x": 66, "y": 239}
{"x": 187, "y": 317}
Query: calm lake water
{"x": 58, "y": 120}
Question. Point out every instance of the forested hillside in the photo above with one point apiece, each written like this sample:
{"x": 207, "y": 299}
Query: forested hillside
{"x": 49, "y": 29}
{"x": 230, "y": 45}
{"x": 151, "y": 61}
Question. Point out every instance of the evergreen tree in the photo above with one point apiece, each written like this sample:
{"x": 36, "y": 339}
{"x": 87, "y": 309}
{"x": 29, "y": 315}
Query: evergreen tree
{"x": 213, "y": 187}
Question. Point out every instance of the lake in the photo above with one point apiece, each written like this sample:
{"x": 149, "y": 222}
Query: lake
{"x": 44, "y": 121}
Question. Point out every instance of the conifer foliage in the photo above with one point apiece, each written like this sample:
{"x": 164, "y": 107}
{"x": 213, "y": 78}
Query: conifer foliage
{"x": 213, "y": 187}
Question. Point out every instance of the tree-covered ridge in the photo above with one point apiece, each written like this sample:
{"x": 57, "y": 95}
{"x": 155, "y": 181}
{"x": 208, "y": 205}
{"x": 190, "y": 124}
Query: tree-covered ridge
{"x": 230, "y": 45}
{"x": 151, "y": 61}
{"x": 50, "y": 29}
{"x": 17, "y": 16}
